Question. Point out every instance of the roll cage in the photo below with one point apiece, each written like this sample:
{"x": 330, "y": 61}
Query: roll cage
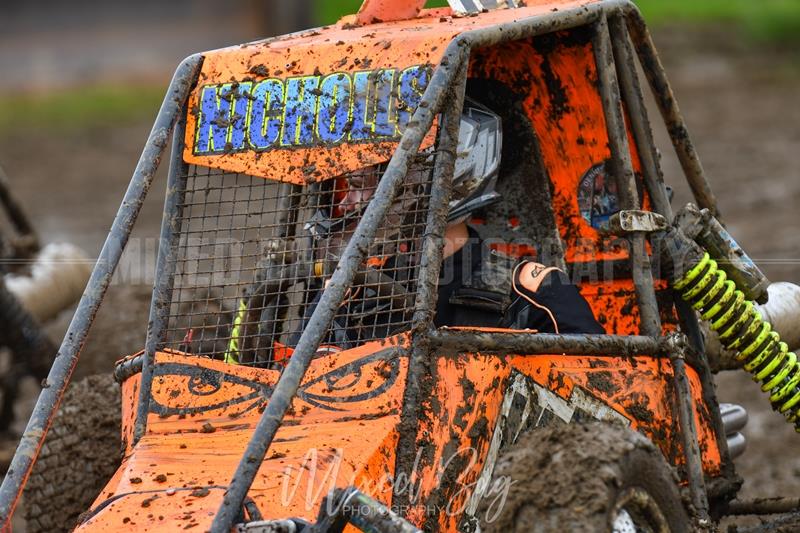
{"x": 619, "y": 37}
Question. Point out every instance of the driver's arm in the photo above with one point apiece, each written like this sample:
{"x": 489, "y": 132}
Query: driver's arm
{"x": 549, "y": 303}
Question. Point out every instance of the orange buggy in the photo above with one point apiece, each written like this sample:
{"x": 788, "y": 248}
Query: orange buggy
{"x": 242, "y": 413}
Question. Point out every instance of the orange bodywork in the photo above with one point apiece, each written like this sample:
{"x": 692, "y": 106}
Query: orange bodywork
{"x": 343, "y": 429}
{"x": 345, "y": 423}
{"x": 203, "y": 413}
{"x": 341, "y": 50}
{"x": 565, "y": 109}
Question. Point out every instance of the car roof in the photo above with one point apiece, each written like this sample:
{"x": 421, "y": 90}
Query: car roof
{"x": 385, "y": 65}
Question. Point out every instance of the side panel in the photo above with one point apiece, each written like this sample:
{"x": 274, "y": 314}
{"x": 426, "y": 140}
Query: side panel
{"x": 555, "y": 78}
{"x": 454, "y": 435}
{"x": 481, "y": 404}
{"x": 641, "y": 389}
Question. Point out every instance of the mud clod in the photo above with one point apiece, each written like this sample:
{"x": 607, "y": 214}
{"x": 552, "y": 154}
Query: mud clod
{"x": 146, "y": 502}
{"x": 603, "y": 381}
{"x": 200, "y": 492}
{"x": 567, "y": 478}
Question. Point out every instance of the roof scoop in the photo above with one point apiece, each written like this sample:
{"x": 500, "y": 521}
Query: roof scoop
{"x": 465, "y": 7}
{"x": 373, "y": 11}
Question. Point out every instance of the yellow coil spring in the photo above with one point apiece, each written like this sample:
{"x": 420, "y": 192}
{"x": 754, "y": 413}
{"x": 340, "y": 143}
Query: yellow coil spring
{"x": 742, "y": 330}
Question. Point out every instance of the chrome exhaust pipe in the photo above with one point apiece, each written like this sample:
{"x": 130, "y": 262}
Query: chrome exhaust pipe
{"x": 734, "y": 419}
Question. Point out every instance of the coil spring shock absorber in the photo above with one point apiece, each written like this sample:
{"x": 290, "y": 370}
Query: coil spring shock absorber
{"x": 742, "y": 330}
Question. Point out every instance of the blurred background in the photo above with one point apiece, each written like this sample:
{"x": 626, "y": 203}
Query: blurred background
{"x": 81, "y": 82}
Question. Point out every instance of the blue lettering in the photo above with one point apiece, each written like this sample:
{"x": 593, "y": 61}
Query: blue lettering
{"x": 301, "y": 106}
{"x": 241, "y": 97}
{"x": 411, "y": 87}
{"x": 308, "y": 110}
{"x": 334, "y": 108}
{"x": 361, "y": 129}
{"x": 265, "y": 114}
{"x": 384, "y": 125}
{"x": 214, "y": 120}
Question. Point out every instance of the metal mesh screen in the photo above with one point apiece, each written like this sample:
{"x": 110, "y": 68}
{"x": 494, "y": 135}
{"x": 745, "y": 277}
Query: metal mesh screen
{"x": 255, "y": 255}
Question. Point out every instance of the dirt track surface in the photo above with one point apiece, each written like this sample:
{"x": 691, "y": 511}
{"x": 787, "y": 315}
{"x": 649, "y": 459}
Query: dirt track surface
{"x": 740, "y": 105}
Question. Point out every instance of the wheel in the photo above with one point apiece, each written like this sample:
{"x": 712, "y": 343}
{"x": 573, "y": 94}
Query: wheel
{"x": 593, "y": 477}
{"x": 31, "y": 351}
{"x": 80, "y": 454}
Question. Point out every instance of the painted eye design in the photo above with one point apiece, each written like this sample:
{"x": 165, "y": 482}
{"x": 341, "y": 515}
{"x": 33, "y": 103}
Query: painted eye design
{"x": 189, "y": 390}
{"x": 362, "y": 380}
{"x": 205, "y": 383}
{"x": 180, "y": 389}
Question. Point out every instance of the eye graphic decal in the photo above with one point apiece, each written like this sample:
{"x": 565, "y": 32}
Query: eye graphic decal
{"x": 358, "y": 381}
{"x": 188, "y": 390}
{"x": 180, "y": 389}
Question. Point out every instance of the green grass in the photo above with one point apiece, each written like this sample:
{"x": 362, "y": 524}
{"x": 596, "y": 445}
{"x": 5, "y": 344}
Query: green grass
{"x": 70, "y": 108}
{"x": 768, "y": 20}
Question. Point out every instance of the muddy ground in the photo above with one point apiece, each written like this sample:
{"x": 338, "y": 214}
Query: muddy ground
{"x": 740, "y": 104}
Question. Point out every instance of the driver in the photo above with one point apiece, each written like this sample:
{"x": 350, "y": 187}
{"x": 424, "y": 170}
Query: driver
{"x": 478, "y": 287}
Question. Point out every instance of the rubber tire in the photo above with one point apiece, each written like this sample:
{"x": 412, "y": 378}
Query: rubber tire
{"x": 568, "y": 478}
{"x": 80, "y": 454}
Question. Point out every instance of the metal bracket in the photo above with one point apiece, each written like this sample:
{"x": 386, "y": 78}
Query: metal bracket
{"x": 702, "y": 227}
{"x": 468, "y": 7}
{"x": 636, "y": 221}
